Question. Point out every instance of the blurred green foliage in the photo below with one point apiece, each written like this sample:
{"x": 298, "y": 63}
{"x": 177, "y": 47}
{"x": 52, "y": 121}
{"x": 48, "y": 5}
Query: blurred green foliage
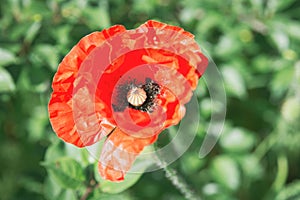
{"x": 255, "y": 44}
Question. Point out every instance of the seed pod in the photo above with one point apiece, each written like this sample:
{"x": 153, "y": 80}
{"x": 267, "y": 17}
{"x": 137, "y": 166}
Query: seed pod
{"x": 136, "y": 96}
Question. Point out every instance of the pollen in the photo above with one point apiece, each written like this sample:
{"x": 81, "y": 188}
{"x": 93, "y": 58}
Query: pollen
{"x": 136, "y": 96}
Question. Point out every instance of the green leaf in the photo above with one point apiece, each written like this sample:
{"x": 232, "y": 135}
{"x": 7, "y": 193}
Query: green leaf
{"x": 66, "y": 171}
{"x": 237, "y": 140}
{"x": 98, "y": 17}
{"x": 62, "y": 35}
{"x": 228, "y": 46}
{"x": 6, "y": 57}
{"x": 101, "y": 196}
{"x": 291, "y": 109}
{"x": 225, "y": 171}
{"x": 234, "y": 82}
{"x": 8, "y": 187}
{"x": 293, "y": 29}
{"x": 51, "y": 189}
{"x": 37, "y": 123}
{"x": 187, "y": 15}
{"x": 82, "y": 155}
{"x": 143, "y": 6}
{"x": 277, "y": 5}
{"x": 54, "y": 152}
{"x": 282, "y": 80}
{"x": 30, "y": 184}
{"x": 45, "y": 54}
{"x": 251, "y": 167}
{"x": 213, "y": 191}
{"x": 191, "y": 163}
{"x": 280, "y": 38}
{"x": 206, "y": 26}
{"x": 32, "y": 32}
{"x": 262, "y": 64}
{"x": 206, "y": 107}
{"x": 6, "y": 82}
{"x": 67, "y": 195}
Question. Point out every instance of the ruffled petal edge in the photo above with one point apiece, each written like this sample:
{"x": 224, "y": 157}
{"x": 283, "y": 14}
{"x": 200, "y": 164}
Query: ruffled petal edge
{"x": 60, "y": 104}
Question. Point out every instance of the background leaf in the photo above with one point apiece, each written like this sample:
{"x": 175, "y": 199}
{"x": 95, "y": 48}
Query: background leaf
{"x": 225, "y": 171}
{"x": 6, "y": 81}
{"x": 66, "y": 171}
{"x": 6, "y": 57}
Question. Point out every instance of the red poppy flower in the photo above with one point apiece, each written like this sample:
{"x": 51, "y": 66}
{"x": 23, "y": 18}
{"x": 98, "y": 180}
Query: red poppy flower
{"x": 127, "y": 85}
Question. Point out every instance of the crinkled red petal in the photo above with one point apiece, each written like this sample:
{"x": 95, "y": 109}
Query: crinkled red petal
{"x": 118, "y": 154}
{"x": 183, "y": 43}
{"x": 159, "y": 25}
{"x": 60, "y": 105}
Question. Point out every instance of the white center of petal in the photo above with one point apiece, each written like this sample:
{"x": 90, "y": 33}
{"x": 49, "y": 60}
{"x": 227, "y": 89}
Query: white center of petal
{"x": 136, "y": 96}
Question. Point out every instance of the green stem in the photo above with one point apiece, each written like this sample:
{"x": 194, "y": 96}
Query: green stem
{"x": 280, "y": 179}
{"x": 177, "y": 181}
{"x": 265, "y": 146}
{"x": 282, "y": 173}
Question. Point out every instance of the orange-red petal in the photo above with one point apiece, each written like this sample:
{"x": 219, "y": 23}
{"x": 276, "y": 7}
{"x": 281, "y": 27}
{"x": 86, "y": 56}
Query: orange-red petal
{"x": 61, "y": 102}
{"x": 119, "y": 152}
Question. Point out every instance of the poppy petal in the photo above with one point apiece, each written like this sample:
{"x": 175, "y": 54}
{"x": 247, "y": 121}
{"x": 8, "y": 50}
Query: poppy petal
{"x": 178, "y": 41}
{"x": 119, "y": 152}
{"x": 61, "y": 102}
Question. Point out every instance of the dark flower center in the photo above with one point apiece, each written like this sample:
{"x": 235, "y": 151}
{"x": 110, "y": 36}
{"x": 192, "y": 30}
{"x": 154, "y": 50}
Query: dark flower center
{"x": 137, "y": 96}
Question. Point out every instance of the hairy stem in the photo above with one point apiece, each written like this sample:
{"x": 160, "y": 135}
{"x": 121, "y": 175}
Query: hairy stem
{"x": 87, "y": 192}
{"x": 177, "y": 180}
{"x": 89, "y": 189}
